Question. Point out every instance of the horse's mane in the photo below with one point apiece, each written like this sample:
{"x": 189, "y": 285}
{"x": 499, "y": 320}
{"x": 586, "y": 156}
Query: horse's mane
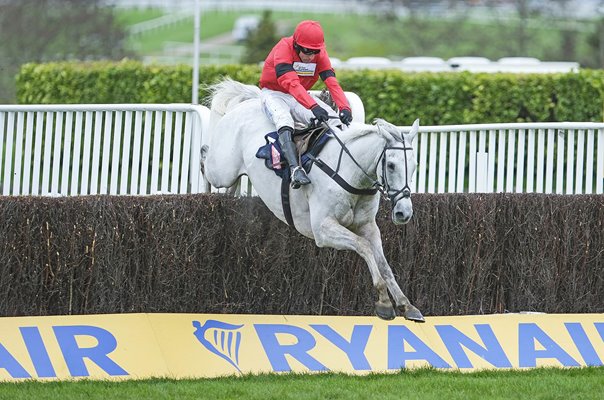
{"x": 227, "y": 93}
{"x": 380, "y": 126}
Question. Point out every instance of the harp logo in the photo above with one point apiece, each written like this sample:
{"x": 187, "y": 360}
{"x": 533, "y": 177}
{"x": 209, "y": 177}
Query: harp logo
{"x": 220, "y": 338}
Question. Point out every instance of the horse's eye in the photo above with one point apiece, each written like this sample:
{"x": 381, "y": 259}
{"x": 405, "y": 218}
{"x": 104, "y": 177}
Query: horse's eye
{"x": 390, "y": 166}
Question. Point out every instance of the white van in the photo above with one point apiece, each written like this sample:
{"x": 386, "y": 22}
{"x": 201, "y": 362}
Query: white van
{"x": 243, "y": 26}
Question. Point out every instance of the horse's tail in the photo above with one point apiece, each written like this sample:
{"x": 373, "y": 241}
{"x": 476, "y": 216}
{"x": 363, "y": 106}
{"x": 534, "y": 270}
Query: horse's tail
{"x": 228, "y": 93}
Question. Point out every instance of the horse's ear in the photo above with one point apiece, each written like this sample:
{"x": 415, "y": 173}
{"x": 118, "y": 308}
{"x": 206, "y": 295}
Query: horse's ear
{"x": 387, "y": 129}
{"x": 413, "y": 132}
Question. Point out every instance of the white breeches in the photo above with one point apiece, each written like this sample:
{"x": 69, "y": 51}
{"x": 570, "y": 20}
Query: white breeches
{"x": 284, "y": 110}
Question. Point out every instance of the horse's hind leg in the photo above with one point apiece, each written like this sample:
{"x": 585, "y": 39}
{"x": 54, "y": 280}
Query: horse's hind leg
{"x": 331, "y": 234}
{"x": 371, "y": 233}
{"x": 217, "y": 172}
{"x": 203, "y": 154}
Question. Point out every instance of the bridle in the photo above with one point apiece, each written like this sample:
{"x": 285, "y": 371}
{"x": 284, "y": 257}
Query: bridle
{"x": 384, "y": 186}
{"x": 385, "y": 189}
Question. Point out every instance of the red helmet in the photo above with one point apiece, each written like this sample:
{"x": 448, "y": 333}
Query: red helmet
{"x": 309, "y": 34}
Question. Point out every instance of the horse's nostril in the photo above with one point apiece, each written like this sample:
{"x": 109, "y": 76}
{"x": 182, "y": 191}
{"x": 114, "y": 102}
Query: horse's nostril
{"x": 401, "y": 217}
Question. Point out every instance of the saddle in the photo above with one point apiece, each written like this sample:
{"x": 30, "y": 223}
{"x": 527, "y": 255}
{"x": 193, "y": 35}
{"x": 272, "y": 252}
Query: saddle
{"x": 309, "y": 142}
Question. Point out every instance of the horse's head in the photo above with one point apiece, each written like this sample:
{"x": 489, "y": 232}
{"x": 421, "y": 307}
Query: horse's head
{"x": 397, "y": 167}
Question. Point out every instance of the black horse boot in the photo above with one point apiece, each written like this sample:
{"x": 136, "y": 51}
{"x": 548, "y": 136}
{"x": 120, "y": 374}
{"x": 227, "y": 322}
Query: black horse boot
{"x": 290, "y": 152}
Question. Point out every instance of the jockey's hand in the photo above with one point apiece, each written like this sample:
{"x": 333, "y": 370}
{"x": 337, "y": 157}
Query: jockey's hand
{"x": 320, "y": 113}
{"x": 345, "y": 116}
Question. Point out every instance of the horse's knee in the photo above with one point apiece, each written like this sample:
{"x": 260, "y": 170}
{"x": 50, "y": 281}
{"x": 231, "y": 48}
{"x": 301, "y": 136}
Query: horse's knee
{"x": 321, "y": 240}
{"x": 331, "y": 234}
{"x": 322, "y": 232}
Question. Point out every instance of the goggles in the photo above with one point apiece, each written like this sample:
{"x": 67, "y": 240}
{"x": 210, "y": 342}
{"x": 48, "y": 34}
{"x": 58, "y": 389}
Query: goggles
{"x": 306, "y": 51}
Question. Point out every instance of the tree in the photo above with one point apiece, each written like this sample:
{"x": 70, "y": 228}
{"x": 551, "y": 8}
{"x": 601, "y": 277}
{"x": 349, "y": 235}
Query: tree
{"x": 260, "y": 41}
{"x": 596, "y": 43}
{"x": 49, "y": 30}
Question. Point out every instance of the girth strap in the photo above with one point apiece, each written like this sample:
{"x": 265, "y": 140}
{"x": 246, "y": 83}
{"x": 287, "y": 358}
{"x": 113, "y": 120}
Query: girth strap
{"x": 287, "y": 211}
{"x": 340, "y": 181}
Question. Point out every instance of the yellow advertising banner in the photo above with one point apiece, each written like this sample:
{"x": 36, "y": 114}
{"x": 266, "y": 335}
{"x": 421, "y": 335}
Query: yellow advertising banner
{"x": 136, "y": 346}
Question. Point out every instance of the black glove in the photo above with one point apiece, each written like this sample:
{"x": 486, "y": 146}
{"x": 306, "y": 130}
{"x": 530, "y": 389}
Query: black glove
{"x": 346, "y": 116}
{"x": 320, "y": 114}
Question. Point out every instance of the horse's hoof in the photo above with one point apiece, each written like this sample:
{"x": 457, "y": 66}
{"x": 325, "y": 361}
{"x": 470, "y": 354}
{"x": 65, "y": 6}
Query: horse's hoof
{"x": 413, "y": 314}
{"x": 385, "y": 311}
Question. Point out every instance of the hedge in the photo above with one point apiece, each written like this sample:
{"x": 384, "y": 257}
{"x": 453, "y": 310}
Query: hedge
{"x": 460, "y": 254}
{"x": 399, "y": 97}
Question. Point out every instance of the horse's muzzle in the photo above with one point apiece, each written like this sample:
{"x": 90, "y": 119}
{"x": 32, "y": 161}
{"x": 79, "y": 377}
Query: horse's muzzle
{"x": 402, "y": 211}
{"x": 400, "y": 219}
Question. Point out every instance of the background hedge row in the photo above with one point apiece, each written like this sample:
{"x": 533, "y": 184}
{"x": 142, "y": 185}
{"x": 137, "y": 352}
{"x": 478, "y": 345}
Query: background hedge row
{"x": 461, "y": 254}
{"x": 436, "y": 98}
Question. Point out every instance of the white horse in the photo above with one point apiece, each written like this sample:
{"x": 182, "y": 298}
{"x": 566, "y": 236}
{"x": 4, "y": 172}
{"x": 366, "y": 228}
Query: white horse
{"x": 379, "y": 155}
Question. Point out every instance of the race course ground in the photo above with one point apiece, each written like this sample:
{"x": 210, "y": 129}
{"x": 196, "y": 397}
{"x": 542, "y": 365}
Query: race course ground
{"x": 539, "y": 383}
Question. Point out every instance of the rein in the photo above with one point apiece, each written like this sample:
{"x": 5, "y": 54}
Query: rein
{"x": 338, "y": 178}
{"x": 384, "y": 188}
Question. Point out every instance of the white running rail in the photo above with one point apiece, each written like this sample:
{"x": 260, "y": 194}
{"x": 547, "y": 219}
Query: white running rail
{"x": 128, "y": 149}
{"x": 556, "y": 157}
{"x": 137, "y": 149}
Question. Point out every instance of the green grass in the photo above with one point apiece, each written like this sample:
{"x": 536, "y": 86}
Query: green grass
{"x": 131, "y": 16}
{"x": 424, "y": 384}
{"x": 212, "y": 24}
{"x": 350, "y": 35}
{"x": 356, "y": 42}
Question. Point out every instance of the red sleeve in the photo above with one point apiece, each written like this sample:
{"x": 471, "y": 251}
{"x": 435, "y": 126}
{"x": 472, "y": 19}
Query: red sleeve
{"x": 290, "y": 82}
{"x": 337, "y": 94}
{"x": 329, "y": 77}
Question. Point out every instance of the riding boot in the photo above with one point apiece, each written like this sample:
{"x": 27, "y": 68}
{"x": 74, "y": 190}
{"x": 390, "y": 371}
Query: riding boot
{"x": 288, "y": 147}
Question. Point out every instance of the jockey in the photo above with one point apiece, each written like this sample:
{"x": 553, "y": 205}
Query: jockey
{"x": 292, "y": 67}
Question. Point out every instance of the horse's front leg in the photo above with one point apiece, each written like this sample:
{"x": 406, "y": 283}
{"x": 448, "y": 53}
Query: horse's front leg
{"x": 330, "y": 233}
{"x": 371, "y": 233}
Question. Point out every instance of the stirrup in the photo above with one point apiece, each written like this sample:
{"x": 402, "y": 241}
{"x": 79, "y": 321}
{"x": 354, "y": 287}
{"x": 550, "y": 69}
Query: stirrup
{"x": 301, "y": 180}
